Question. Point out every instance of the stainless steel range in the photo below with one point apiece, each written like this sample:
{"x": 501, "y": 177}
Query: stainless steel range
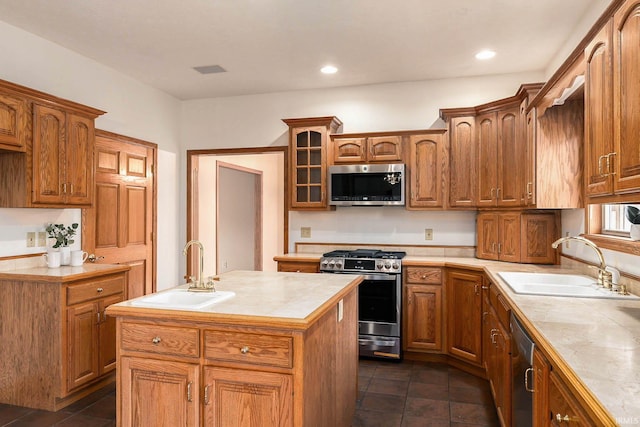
{"x": 379, "y": 297}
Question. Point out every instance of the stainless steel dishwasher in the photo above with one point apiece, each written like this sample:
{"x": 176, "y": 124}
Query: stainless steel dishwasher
{"x": 522, "y": 375}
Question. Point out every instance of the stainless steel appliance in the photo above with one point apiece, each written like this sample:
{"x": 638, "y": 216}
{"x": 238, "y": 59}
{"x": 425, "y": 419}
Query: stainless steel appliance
{"x": 379, "y": 297}
{"x": 522, "y": 375}
{"x": 367, "y": 185}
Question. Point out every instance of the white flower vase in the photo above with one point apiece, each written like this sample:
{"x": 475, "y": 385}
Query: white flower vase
{"x": 635, "y": 232}
{"x": 65, "y": 255}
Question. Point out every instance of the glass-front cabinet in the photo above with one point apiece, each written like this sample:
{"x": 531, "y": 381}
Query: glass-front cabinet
{"x": 308, "y": 169}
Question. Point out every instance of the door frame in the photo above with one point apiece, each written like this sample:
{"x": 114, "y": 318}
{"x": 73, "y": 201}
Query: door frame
{"x": 192, "y": 189}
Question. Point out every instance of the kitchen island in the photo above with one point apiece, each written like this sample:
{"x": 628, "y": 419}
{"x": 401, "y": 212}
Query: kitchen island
{"x": 281, "y": 352}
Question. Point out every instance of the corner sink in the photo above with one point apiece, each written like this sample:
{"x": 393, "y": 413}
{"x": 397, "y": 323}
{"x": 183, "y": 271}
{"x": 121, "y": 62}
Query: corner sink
{"x": 559, "y": 285}
{"x": 182, "y": 299}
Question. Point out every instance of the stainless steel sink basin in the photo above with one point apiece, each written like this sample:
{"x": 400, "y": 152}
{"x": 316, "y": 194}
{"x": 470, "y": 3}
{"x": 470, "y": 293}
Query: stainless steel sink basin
{"x": 559, "y": 285}
{"x": 182, "y": 299}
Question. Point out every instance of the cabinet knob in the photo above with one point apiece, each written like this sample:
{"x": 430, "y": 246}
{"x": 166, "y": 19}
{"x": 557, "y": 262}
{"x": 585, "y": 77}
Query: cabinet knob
{"x": 100, "y": 290}
{"x": 560, "y": 418}
{"x": 156, "y": 340}
{"x": 244, "y": 350}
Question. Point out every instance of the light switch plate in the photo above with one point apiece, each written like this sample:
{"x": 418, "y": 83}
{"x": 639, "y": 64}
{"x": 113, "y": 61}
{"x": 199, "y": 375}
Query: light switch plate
{"x": 305, "y": 231}
{"x": 31, "y": 239}
{"x": 42, "y": 239}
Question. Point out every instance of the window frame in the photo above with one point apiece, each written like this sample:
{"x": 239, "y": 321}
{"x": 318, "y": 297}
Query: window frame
{"x": 593, "y": 227}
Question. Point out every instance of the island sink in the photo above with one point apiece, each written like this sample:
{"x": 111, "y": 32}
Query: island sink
{"x": 182, "y": 299}
{"x": 559, "y": 285}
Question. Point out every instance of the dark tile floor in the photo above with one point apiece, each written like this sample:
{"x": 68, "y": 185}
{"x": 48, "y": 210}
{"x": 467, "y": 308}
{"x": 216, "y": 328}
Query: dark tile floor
{"x": 411, "y": 394}
{"x": 391, "y": 395}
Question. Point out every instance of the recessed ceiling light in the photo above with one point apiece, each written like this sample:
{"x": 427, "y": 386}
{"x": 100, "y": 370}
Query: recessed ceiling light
{"x": 485, "y": 54}
{"x": 328, "y": 69}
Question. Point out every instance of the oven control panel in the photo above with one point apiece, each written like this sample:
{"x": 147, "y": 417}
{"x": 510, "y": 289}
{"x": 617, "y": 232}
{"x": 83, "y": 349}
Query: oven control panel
{"x": 361, "y": 265}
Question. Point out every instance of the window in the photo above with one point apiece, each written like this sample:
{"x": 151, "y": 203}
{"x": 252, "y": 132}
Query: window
{"x": 614, "y": 220}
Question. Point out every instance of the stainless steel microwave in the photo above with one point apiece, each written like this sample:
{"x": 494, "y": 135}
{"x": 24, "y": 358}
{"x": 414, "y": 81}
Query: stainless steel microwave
{"x": 367, "y": 185}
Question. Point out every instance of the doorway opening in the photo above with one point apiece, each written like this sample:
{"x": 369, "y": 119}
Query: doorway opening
{"x": 236, "y": 206}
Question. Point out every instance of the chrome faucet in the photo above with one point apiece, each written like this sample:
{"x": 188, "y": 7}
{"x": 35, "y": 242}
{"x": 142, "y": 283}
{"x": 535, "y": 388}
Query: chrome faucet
{"x": 604, "y": 276}
{"x": 196, "y": 283}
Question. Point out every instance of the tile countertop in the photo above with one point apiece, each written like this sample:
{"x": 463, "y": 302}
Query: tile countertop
{"x": 597, "y": 339}
{"x": 292, "y": 297}
{"x": 61, "y": 274}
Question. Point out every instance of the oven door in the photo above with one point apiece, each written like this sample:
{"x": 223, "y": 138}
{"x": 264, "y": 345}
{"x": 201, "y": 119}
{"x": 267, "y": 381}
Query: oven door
{"x": 379, "y": 304}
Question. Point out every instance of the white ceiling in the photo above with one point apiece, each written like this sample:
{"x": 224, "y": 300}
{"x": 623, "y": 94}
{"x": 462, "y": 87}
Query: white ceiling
{"x": 280, "y": 45}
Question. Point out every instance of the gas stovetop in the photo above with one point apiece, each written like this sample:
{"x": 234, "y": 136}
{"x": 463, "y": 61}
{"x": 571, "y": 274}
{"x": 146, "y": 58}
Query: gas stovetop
{"x": 362, "y": 261}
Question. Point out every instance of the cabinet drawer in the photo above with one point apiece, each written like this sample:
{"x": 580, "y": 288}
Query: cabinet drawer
{"x": 503, "y": 311}
{"x": 424, "y": 275}
{"x": 97, "y": 288}
{"x": 160, "y": 339}
{"x": 249, "y": 348}
{"x": 299, "y": 267}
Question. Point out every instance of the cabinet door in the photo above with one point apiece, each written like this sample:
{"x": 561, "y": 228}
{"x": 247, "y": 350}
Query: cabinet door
{"x": 78, "y": 160}
{"x": 82, "y": 336}
{"x": 171, "y": 392}
{"x": 487, "y": 229}
{"x": 107, "y": 336}
{"x": 464, "y": 315}
{"x": 48, "y": 162}
{"x": 462, "y": 162}
{"x": 423, "y": 317}
{"x": 427, "y": 159}
{"x": 564, "y": 408}
{"x": 235, "y": 397}
{"x": 510, "y": 158}
{"x": 598, "y": 111}
{"x": 509, "y": 237}
{"x": 626, "y": 96}
{"x": 309, "y": 168}
{"x": 349, "y": 150}
{"x": 538, "y": 232}
{"x": 13, "y": 111}
{"x": 487, "y": 159}
{"x": 384, "y": 149}
{"x": 540, "y": 389}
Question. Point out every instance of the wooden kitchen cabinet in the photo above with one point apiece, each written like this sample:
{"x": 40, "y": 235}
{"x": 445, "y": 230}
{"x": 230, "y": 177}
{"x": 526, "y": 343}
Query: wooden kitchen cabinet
{"x": 427, "y": 167}
{"x": 266, "y": 398}
{"x": 423, "y": 310}
{"x": 57, "y": 137}
{"x": 13, "y": 123}
{"x": 73, "y": 352}
{"x": 308, "y": 140}
{"x": 462, "y": 162}
{"x": 172, "y": 391}
{"x": 464, "y": 315}
{"x": 352, "y": 148}
{"x": 516, "y": 236}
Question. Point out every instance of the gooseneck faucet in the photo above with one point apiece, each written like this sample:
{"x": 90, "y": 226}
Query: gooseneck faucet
{"x": 604, "y": 276}
{"x": 196, "y": 283}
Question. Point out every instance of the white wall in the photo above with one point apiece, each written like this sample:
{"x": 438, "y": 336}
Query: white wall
{"x": 133, "y": 109}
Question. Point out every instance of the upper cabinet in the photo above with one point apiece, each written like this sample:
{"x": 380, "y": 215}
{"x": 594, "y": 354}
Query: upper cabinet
{"x": 52, "y": 163}
{"x": 13, "y": 122}
{"x": 308, "y": 162}
{"x": 348, "y": 148}
{"x": 427, "y": 166}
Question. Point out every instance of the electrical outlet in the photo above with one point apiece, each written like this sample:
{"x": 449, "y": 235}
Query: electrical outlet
{"x": 305, "y": 231}
{"x": 428, "y": 234}
{"x": 42, "y": 239}
{"x": 31, "y": 239}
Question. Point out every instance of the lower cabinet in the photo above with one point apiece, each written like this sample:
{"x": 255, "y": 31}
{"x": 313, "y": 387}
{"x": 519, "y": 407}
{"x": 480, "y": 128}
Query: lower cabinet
{"x": 464, "y": 315}
{"x": 171, "y": 392}
{"x": 423, "y": 313}
{"x": 232, "y": 396}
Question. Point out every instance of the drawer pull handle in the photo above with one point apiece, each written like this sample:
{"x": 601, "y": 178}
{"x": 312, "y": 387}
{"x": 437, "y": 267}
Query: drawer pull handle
{"x": 244, "y": 350}
{"x": 424, "y": 276}
{"x": 100, "y": 290}
{"x": 560, "y": 418}
{"x": 206, "y": 395}
{"x": 189, "y": 396}
{"x": 156, "y": 340}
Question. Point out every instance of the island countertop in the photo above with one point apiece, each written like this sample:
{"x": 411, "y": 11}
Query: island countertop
{"x": 268, "y": 297}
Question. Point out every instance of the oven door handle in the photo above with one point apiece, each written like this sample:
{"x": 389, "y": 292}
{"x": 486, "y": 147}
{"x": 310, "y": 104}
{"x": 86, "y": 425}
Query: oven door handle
{"x": 379, "y": 276}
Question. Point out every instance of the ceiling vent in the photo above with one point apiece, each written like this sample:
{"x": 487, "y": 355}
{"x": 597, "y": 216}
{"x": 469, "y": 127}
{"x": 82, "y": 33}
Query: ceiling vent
{"x": 210, "y": 69}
